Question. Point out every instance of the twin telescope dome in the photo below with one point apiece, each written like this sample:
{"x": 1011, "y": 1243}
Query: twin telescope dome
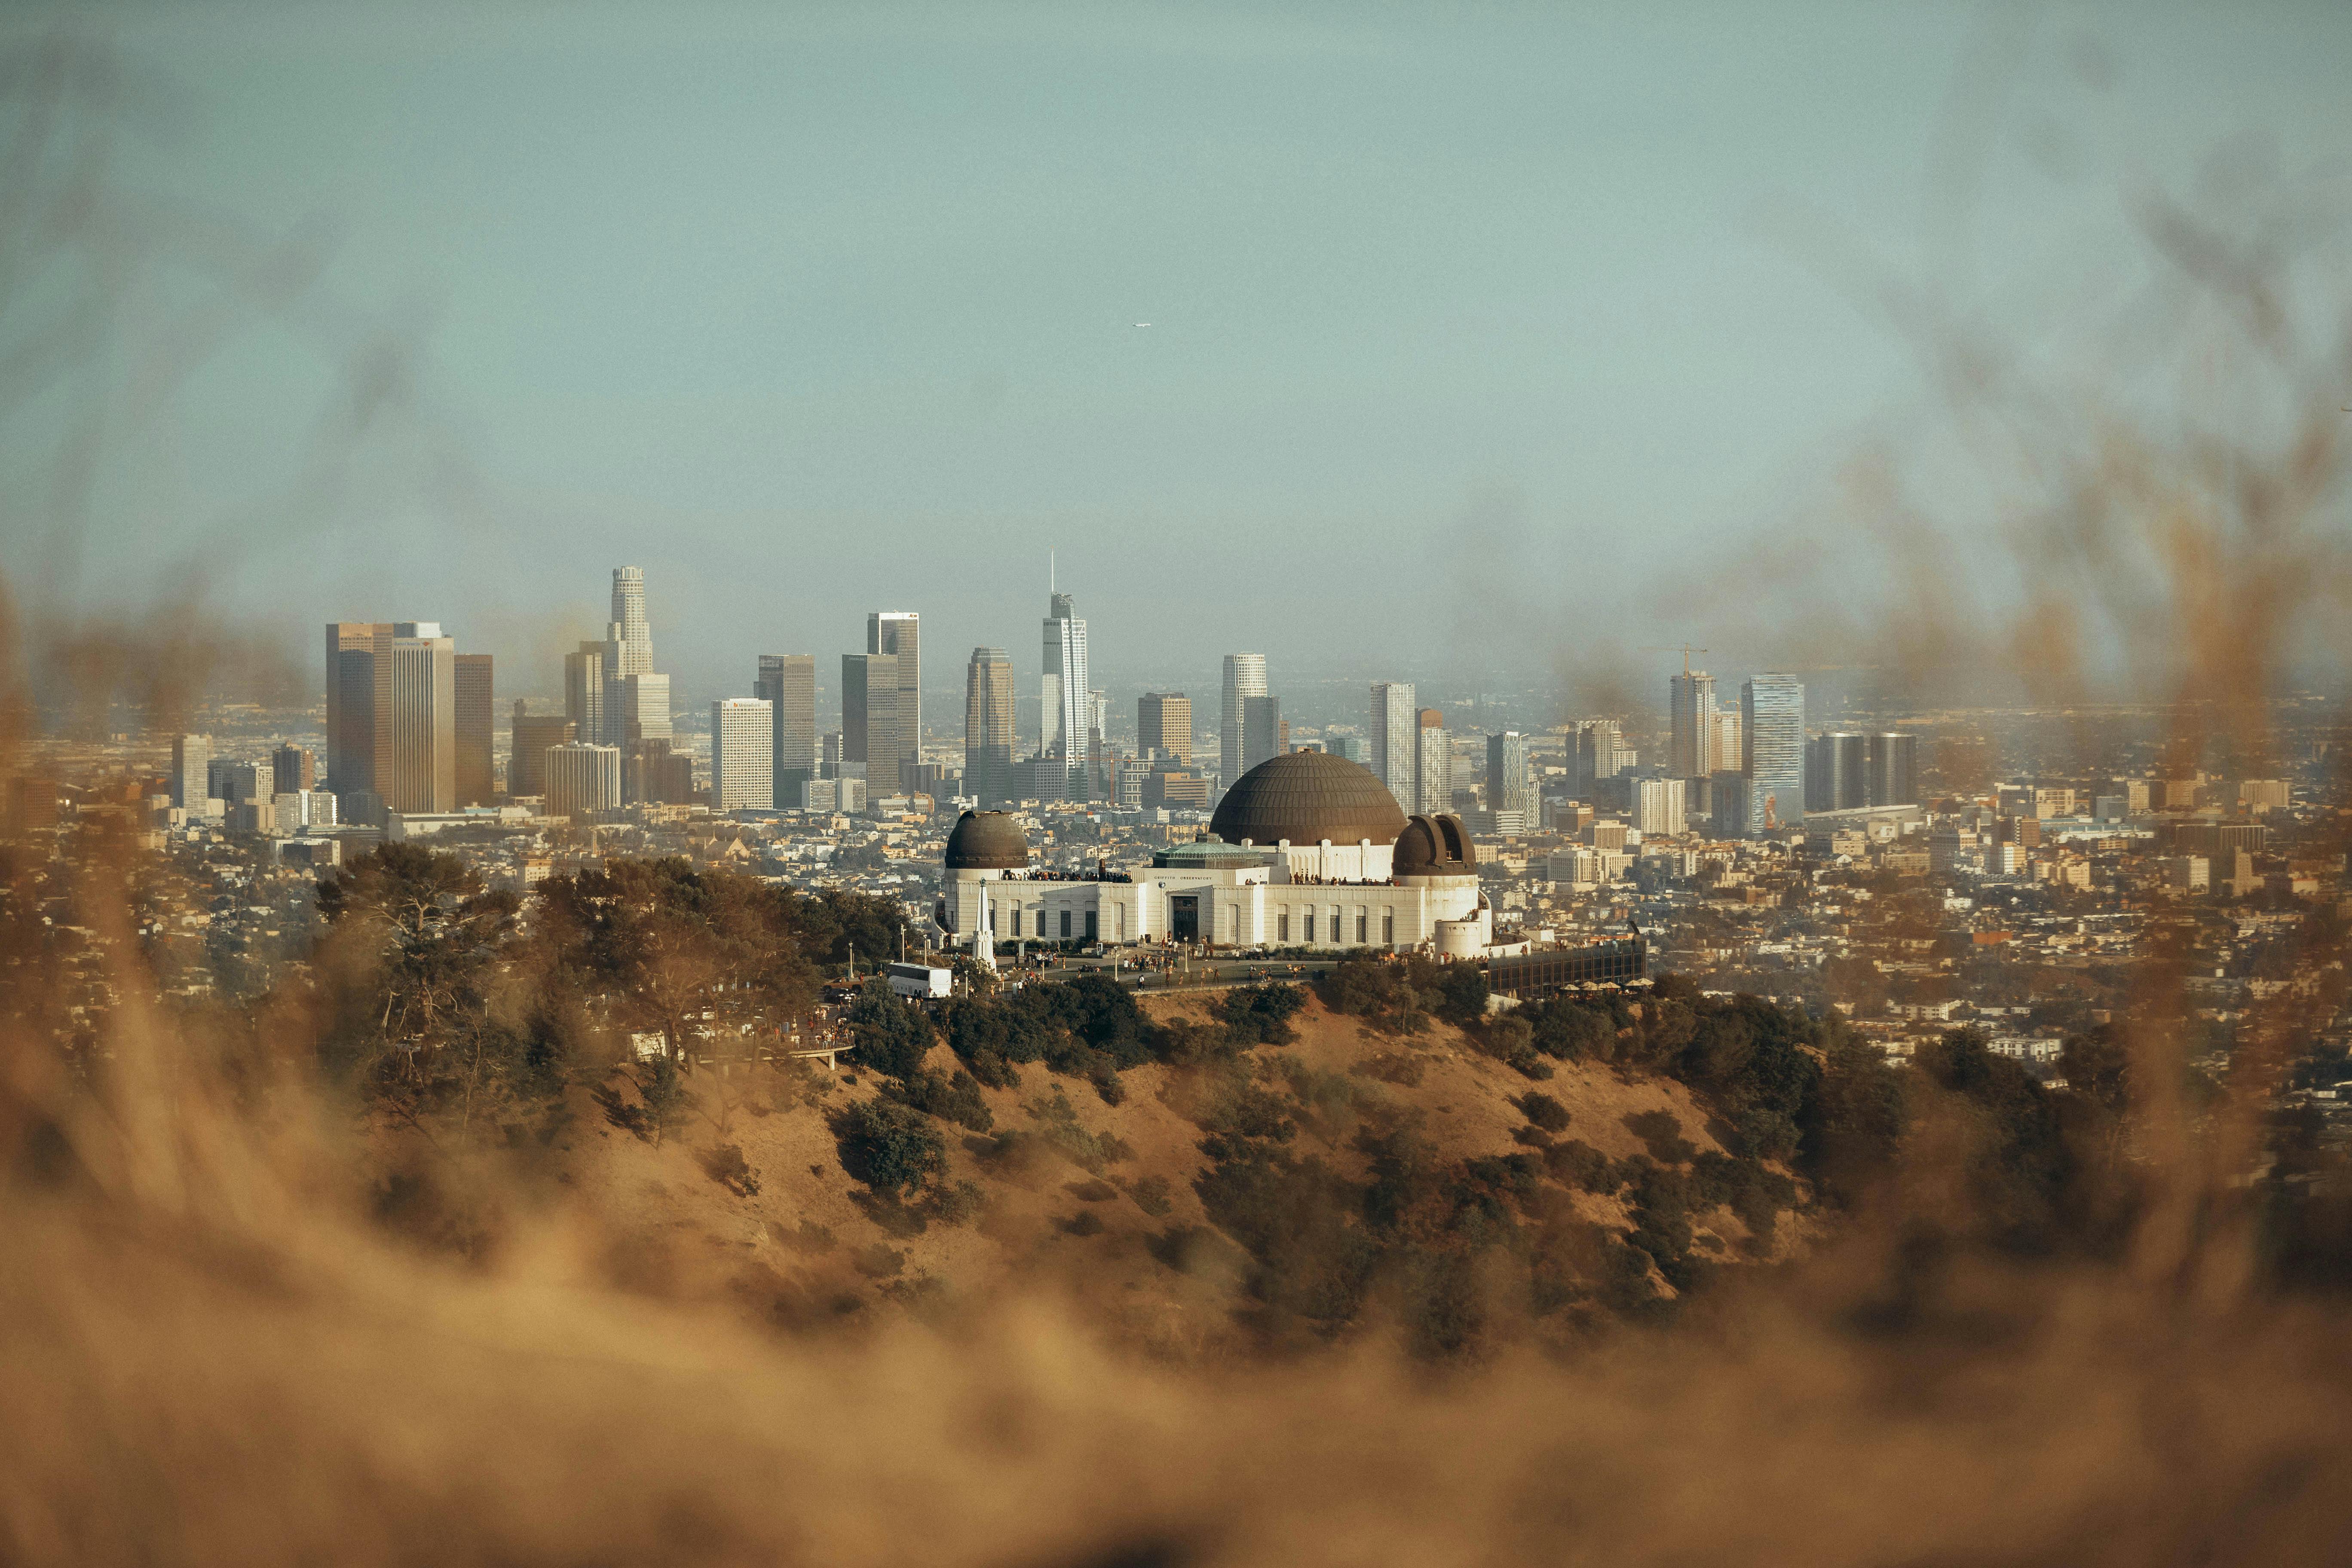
{"x": 987, "y": 841}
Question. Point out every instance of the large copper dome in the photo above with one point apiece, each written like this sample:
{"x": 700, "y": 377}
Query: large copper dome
{"x": 1307, "y": 797}
{"x": 987, "y": 841}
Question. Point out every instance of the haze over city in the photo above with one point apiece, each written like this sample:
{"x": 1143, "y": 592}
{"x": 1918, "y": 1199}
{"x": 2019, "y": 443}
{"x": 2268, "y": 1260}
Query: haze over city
{"x": 1454, "y": 318}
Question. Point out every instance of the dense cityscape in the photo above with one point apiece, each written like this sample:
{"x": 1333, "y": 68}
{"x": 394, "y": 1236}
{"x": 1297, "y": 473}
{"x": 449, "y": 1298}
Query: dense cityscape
{"x": 1752, "y": 852}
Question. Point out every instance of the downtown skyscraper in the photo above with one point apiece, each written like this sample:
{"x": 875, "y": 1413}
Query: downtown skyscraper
{"x": 1837, "y": 771}
{"x": 1510, "y": 779}
{"x": 1599, "y": 754}
{"x": 584, "y": 692}
{"x": 477, "y": 723}
{"x": 898, "y": 633}
{"x": 870, "y": 721}
{"x": 1244, "y": 679}
{"x": 988, "y": 726}
{"x": 1690, "y": 746}
{"x": 1262, "y": 731}
{"x": 1164, "y": 724}
{"x": 192, "y": 759}
{"x": 787, "y": 682}
{"x": 417, "y": 773}
{"x": 1892, "y": 770}
{"x": 391, "y": 712}
{"x": 1773, "y": 737}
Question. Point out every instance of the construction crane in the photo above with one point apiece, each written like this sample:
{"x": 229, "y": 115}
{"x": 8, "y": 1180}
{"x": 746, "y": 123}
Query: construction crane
{"x": 1683, "y": 648}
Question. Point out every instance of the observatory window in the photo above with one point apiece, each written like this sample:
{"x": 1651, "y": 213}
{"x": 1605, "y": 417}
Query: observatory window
{"x": 1360, "y": 933}
{"x": 1282, "y": 926}
{"x": 1388, "y": 929}
{"x": 1065, "y": 925}
{"x": 1311, "y": 925}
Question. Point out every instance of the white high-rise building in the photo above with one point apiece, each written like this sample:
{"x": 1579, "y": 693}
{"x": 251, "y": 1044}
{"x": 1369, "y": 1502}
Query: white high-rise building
{"x": 1395, "y": 754}
{"x": 1659, "y": 809}
{"x": 1244, "y": 679}
{"x": 581, "y": 779}
{"x": 1433, "y": 768}
{"x": 742, "y": 755}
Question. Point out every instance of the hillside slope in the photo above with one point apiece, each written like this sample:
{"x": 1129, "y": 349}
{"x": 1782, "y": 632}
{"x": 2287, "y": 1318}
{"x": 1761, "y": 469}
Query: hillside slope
{"x": 1105, "y": 1201}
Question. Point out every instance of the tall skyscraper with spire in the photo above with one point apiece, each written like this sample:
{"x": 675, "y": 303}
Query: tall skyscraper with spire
{"x": 898, "y": 633}
{"x": 636, "y": 698}
{"x": 1062, "y": 726}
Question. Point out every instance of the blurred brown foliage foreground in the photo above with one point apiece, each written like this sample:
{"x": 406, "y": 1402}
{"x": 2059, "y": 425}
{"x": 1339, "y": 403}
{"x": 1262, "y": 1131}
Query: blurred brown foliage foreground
{"x": 2013, "y": 1349}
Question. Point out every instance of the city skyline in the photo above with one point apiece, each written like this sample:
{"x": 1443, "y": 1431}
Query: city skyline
{"x": 410, "y": 716}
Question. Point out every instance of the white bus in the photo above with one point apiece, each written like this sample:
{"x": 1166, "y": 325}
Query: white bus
{"x": 918, "y": 980}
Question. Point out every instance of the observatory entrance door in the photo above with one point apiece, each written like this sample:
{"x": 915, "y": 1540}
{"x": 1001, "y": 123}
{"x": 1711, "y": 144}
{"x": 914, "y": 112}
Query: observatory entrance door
{"x": 1185, "y": 917}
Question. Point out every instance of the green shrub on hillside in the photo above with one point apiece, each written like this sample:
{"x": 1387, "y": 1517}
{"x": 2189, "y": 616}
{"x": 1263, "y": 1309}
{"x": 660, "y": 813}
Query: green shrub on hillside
{"x": 892, "y": 1148}
{"x": 955, "y": 1099}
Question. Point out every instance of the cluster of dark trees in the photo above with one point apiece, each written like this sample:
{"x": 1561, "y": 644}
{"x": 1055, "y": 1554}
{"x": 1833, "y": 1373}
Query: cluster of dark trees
{"x": 1088, "y": 1029}
{"x": 453, "y": 1006}
{"x": 1401, "y": 996}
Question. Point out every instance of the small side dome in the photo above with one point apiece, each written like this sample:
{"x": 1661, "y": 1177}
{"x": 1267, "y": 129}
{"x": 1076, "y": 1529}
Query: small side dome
{"x": 1433, "y": 847}
{"x": 987, "y": 841}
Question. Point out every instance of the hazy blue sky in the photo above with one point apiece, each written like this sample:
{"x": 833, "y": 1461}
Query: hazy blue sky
{"x": 814, "y": 310}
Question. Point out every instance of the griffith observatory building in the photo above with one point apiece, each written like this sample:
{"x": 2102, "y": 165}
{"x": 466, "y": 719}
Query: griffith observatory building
{"x": 1306, "y": 849}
